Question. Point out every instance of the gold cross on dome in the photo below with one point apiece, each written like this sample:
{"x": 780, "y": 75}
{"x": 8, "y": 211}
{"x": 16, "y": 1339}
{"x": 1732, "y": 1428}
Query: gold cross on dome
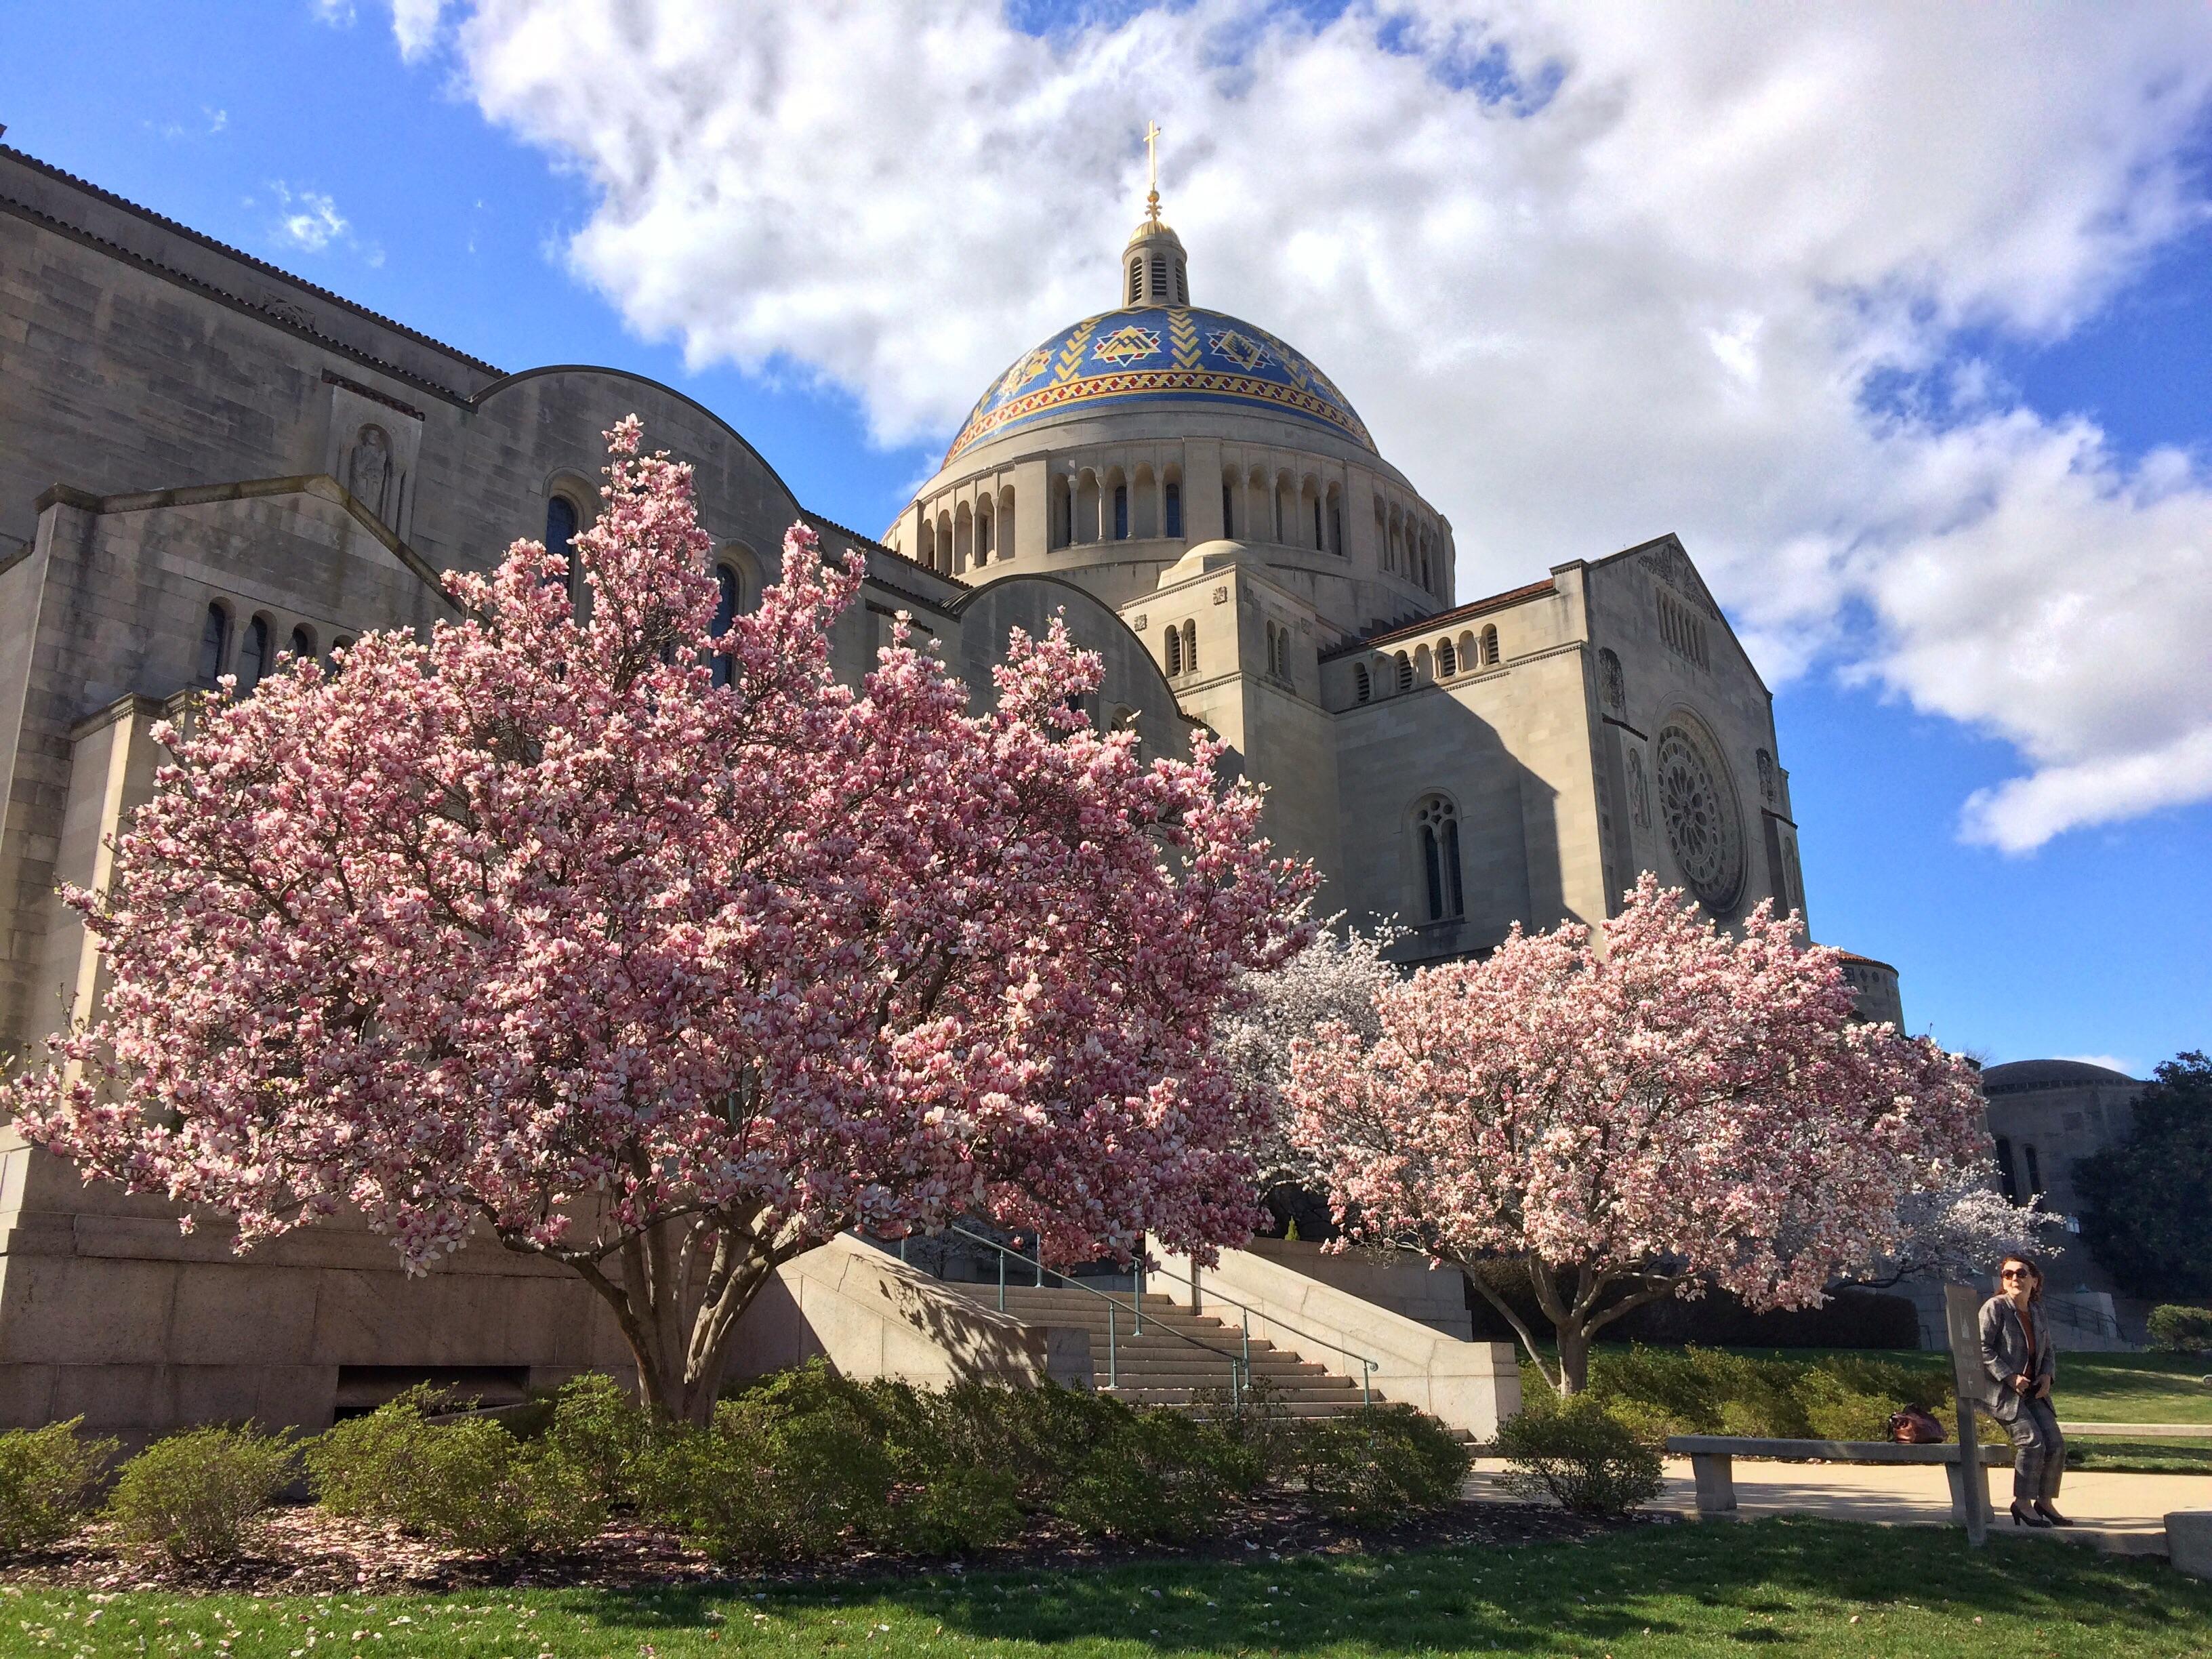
{"x": 1152, "y": 166}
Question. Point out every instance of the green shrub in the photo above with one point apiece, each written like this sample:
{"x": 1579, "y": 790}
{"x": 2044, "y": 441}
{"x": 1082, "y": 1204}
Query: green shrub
{"x": 471, "y": 1484}
{"x": 47, "y": 1478}
{"x": 1031, "y": 1434}
{"x": 1705, "y": 1390}
{"x": 785, "y": 1469}
{"x": 1584, "y": 1457}
{"x": 1836, "y": 1411}
{"x": 2181, "y": 1329}
{"x": 959, "y": 1508}
{"x": 1256, "y": 1417}
{"x": 201, "y": 1495}
{"x": 1158, "y": 1477}
{"x": 599, "y": 1434}
{"x": 1380, "y": 1463}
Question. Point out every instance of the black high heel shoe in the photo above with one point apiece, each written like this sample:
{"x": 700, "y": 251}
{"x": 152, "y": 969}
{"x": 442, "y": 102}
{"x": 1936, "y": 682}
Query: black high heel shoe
{"x": 2050, "y": 1516}
{"x": 2026, "y": 1517}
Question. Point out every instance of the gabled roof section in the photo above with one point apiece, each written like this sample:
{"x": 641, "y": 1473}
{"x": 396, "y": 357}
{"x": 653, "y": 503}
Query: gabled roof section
{"x": 1669, "y": 562}
{"x": 1421, "y": 626}
{"x": 146, "y": 255}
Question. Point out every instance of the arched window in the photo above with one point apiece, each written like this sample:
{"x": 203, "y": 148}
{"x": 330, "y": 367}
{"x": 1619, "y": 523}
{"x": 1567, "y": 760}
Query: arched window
{"x": 1190, "y": 648}
{"x": 1319, "y": 541}
{"x": 1182, "y": 287}
{"x": 727, "y": 592}
{"x": 1363, "y": 683}
{"x": 2034, "y": 1170}
{"x": 1175, "y": 651}
{"x": 982, "y": 539}
{"x": 1335, "y": 526}
{"x": 1063, "y": 511}
{"x": 1159, "y": 278}
{"x": 1136, "y": 281}
{"x": 1446, "y": 658}
{"x": 339, "y": 647}
{"x": 1436, "y": 826}
{"x": 1490, "y": 647}
{"x": 253, "y": 655}
{"x": 215, "y": 644}
{"x": 302, "y": 646}
{"x": 1228, "y": 512}
{"x": 1120, "y": 512}
{"x": 1404, "y": 672}
{"x": 561, "y": 536}
{"x": 1470, "y": 653}
{"x": 2006, "y": 1178}
{"x": 1173, "y": 528}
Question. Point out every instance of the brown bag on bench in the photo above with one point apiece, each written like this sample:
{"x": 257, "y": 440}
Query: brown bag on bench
{"x": 1915, "y": 1427}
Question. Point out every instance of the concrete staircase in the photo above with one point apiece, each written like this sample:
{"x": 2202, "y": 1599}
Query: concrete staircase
{"x": 1159, "y": 1368}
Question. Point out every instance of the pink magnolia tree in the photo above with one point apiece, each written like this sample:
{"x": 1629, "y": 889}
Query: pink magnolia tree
{"x": 1684, "y": 1108}
{"x": 530, "y": 927}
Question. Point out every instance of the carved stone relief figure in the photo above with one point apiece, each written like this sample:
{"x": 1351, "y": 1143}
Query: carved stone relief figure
{"x": 1613, "y": 684}
{"x": 1766, "y": 777}
{"x": 368, "y": 469}
{"x": 1639, "y": 791}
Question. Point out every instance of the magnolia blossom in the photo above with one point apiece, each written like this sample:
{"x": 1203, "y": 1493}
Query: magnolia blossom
{"x": 1683, "y": 1108}
{"x": 1963, "y": 1230}
{"x": 529, "y": 928}
{"x": 1335, "y": 979}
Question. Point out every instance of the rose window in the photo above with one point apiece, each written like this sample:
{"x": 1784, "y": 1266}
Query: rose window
{"x": 1700, "y": 815}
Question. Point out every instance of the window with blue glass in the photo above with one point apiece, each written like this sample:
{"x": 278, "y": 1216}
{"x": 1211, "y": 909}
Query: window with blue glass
{"x": 1174, "y": 515}
{"x": 726, "y": 612}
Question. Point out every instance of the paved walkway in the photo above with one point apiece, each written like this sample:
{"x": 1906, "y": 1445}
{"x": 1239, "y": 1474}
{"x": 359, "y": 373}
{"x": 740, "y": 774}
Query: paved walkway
{"x": 2124, "y": 1512}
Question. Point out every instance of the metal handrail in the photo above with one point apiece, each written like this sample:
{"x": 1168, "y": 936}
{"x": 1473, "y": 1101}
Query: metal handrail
{"x": 1240, "y": 1368}
{"x": 1368, "y": 1366}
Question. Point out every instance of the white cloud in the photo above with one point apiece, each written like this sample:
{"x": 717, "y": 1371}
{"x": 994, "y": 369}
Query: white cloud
{"x": 1590, "y": 272}
{"x": 308, "y": 219}
{"x": 2110, "y": 1062}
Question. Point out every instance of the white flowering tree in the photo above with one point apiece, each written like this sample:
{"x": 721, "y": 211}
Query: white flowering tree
{"x": 1335, "y": 981}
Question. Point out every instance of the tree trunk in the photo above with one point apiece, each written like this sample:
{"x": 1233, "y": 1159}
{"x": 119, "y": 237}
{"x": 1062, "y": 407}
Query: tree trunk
{"x": 1574, "y": 1357}
{"x": 680, "y": 1291}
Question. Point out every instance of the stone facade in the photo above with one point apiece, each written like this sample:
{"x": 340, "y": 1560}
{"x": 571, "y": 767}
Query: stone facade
{"x": 205, "y": 461}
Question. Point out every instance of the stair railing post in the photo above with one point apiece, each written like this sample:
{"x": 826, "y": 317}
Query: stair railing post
{"x": 1113, "y": 1376}
{"x": 1141, "y": 1296}
{"x": 1366, "y": 1382}
{"x": 1247, "y": 1342}
{"x": 1040, "y": 1253}
{"x": 1001, "y": 1254}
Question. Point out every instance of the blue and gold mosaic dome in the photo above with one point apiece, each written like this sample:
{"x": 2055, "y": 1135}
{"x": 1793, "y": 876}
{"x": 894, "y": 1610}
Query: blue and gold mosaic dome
{"x": 1152, "y": 353}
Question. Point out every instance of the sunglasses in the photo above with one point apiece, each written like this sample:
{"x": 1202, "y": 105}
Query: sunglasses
{"x": 2015, "y": 1273}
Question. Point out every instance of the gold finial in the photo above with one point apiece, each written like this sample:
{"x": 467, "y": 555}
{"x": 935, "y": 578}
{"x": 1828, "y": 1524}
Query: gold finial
{"x": 1153, "y": 165}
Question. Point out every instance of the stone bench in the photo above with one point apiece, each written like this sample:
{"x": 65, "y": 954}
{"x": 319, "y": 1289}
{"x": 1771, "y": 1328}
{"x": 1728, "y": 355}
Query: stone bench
{"x": 1712, "y": 1461}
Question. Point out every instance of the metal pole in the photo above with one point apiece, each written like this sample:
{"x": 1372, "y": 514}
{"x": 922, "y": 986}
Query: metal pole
{"x": 1141, "y": 1296}
{"x": 903, "y": 1237}
{"x": 1366, "y": 1382}
{"x": 1000, "y": 1252}
{"x": 1113, "y": 1376}
{"x": 1247, "y": 1342}
{"x": 1039, "y": 1250}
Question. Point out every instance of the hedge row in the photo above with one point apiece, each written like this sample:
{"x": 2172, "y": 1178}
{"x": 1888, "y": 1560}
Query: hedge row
{"x": 796, "y": 1467}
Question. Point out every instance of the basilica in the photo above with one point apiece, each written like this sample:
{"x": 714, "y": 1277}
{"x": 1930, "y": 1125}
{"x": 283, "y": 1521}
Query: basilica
{"x": 207, "y": 462}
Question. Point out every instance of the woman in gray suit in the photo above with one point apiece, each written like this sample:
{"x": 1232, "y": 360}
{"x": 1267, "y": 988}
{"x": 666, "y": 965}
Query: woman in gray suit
{"x": 2016, "y": 1354}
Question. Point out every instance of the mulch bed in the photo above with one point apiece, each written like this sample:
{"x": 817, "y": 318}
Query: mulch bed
{"x": 305, "y": 1551}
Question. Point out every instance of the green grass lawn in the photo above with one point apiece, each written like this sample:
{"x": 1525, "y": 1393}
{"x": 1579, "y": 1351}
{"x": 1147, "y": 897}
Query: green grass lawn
{"x": 1810, "y": 1587}
{"x": 2092, "y": 1388}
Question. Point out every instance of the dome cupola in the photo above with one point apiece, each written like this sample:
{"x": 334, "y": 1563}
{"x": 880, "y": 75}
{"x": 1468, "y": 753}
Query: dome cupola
{"x": 1155, "y": 270}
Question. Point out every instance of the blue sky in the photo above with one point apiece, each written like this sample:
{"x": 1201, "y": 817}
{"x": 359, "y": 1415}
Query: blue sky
{"x": 464, "y": 195}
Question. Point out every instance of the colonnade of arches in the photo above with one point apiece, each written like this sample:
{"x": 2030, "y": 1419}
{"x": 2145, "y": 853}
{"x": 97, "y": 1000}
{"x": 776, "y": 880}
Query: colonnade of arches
{"x": 968, "y": 535}
{"x": 1113, "y": 503}
{"x": 1412, "y": 546}
{"x": 1449, "y": 657}
{"x": 1260, "y": 504}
